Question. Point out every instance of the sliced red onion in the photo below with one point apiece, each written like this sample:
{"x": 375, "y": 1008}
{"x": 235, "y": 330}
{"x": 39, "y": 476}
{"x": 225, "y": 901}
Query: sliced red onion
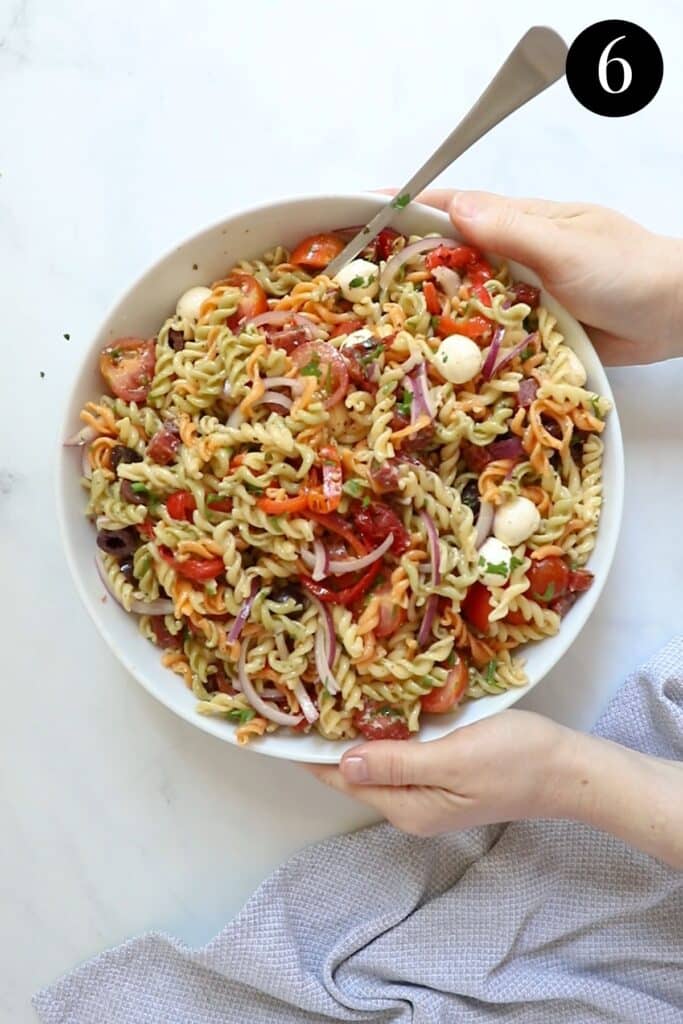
{"x": 434, "y": 549}
{"x": 162, "y": 606}
{"x": 527, "y": 392}
{"x": 236, "y": 418}
{"x": 83, "y": 436}
{"x": 325, "y": 646}
{"x": 484, "y": 523}
{"x": 309, "y": 709}
{"x": 519, "y": 347}
{"x": 244, "y": 612}
{"x": 339, "y": 567}
{"x": 427, "y": 620}
{"x": 421, "y": 404}
{"x": 294, "y": 383}
{"x": 492, "y": 355}
{"x": 275, "y": 398}
{"x": 227, "y": 389}
{"x": 321, "y": 563}
{"x": 280, "y": 317}
{"x": 271, "y": 693}
{"x": 508, "y": 448}
{"x": 449, "y": 280}
{"x": 256, "y": 701}
{"x": 86, "y": 468}
{"x": 414, "y": 249}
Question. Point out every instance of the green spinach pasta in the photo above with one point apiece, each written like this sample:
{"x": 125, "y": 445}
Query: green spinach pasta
{"x": 339, "y": 504}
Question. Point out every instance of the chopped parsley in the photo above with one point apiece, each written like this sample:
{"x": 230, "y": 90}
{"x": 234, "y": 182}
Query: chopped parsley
{"x": 214, "y": 499}
{"x": 241, "y": 715}
{"x": 140, "y": 489}
{"x": 115, "y": 355}
{"x": 491, "y": 670}
{"x": 211, "y": 587}
{"x": 354, "y": 487}
{"x": 450, "y": 660}
{"x": 404, "y": 406}
{"x": 356, "y": 282}
{"x": 494, "y": 568}
{"x": 311, "y": 369}
{"x": 254, "y": 490}
{"x": 275, "y": 520}
{"x": 527, "y": 353}
{"x": 366, "y": 501}
{"x": 400, "y": 202}
{"x": 595, "y": 402}
{"x": 144, "y": 565}
{"x": 388, "y": 712}
{"x": 444, "y": 357}
{"x": 370, "y": 356}
{"x": 434, "y": 322}
{"x": 548, "y": 594}
{"x": 515, "y": 563}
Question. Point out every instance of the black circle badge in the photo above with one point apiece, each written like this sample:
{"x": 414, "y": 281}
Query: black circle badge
{"x": 614, "y": 68}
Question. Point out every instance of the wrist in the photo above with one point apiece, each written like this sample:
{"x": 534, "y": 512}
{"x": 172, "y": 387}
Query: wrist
{"x": 668, "y": 299}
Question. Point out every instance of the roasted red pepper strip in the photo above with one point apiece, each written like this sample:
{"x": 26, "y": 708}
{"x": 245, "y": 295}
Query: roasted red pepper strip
{"x": 482, "y": 294}
{"x": 326, "y": 500}
{"x": 334, "y": 523}
{"x": 431, "y": 298}
{"x": 475, "y": 327}
{"x": 349, "y": 594}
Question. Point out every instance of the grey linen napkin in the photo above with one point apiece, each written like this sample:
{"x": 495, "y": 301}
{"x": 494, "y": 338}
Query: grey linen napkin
{"x": 530, "y": 922}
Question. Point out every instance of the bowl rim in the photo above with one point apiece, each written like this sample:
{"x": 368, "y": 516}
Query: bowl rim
{"x": 336, "y": 748}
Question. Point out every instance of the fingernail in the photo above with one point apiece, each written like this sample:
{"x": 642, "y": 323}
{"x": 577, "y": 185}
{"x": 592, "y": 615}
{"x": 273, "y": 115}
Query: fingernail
{"x": 465, "y": 205}
{"x": 355, "y": 769}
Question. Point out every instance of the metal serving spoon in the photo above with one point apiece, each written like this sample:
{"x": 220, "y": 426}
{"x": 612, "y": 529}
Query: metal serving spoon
{"x": 536, "y": 62}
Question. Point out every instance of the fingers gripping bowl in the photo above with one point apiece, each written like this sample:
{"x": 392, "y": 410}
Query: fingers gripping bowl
{"x": 358, "y": 507}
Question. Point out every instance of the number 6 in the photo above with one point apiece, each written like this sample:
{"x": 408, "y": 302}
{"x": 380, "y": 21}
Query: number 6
{"x": 603, "y": 63}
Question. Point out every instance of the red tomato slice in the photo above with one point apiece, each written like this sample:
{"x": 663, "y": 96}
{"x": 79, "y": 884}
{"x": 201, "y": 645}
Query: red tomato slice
{"x": 146, "y": 529}
{"x": 476, "y": 607}
{"x": 322, "y": 360}
{"x": 181, "y": 505}
{"x": 164, "y": 444}
{"x": 376, "y": 722}
{"x": 214, "y": 503}
{"x": 316, "y": 251}
{"x": 127, "y": 365}
{"x": 444, "y": 698}
{"x": 548, "y": 578}
{"x": 391, "y": 615}
{"x": 197, "y": 569}
{"x": 254, "y": 300}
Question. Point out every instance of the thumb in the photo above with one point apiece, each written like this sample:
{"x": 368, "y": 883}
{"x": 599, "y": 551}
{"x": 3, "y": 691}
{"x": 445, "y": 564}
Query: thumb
{"x": 521, "y": 229}
{"x": 394, "y": 763}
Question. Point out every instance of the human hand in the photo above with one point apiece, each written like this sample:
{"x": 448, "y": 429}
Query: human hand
{"x": 623, "y": 282}
{"x": 513, "y": 765}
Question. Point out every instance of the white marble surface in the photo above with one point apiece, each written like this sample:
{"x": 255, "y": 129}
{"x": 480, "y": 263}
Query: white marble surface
{"x": 126, "y": 127}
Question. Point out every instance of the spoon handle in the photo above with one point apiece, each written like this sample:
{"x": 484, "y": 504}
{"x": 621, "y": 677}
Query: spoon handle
{"x": 536, "y": 62}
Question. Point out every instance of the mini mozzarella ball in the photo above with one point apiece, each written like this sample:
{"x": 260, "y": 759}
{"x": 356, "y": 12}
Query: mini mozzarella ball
{"x": 458, "y": 359}
{"x": 574, "y": 370}
{"x": 515, "y": 521}
{"x": 494, "y": 564}
{"x": 358, "y": 280}
{"x": 190, "y": 302}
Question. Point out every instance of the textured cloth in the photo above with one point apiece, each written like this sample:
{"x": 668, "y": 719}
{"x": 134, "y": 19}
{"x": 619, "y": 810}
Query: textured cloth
{"x": 531, "y": 922}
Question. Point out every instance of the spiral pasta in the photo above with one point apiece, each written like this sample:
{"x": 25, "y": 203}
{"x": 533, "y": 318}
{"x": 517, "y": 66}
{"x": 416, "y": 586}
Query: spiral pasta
{"x": 342, "y": 503}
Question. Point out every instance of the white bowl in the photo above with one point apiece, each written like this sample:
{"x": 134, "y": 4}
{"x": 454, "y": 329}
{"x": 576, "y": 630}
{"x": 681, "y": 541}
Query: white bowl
{"x": 140, "y": 312}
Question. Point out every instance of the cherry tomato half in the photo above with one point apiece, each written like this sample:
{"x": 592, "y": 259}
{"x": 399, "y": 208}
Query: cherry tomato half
{"x": 316, "y": 251}
{"x": 254, "y": 300}
{"x": 376, "y": 722}
{"x": 476, "y": 607}
{"x": 127, "y": 365}
{"x": 322, "y": 360}
{"x": 181, "y": 505}
{"x": 548, "y": 578}
{"x": 444, "y": 698}
{"x": 197, "y": 569}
